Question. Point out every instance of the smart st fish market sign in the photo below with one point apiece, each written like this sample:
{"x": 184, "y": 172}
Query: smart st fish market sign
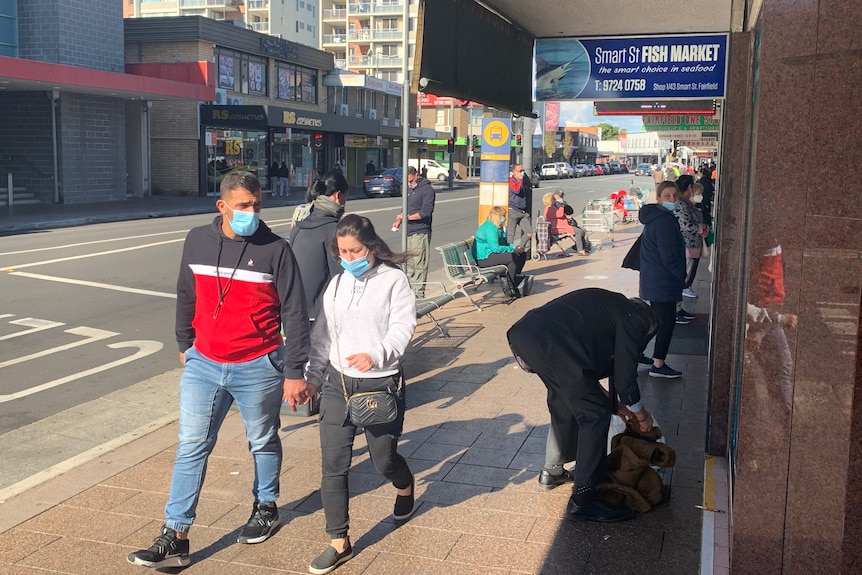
{"x": 631, "y": 68}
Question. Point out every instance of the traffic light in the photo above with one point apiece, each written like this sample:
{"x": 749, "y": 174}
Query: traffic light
{"x": 450, "y": 146}
{"x": 475, "y": 141}
{"x": 518, "y": 140}
{"x": 318, "y": 141}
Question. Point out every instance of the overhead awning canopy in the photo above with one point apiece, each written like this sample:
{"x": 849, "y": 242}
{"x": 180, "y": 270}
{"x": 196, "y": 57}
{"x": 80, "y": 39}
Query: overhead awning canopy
{"x": 483, "y": 50}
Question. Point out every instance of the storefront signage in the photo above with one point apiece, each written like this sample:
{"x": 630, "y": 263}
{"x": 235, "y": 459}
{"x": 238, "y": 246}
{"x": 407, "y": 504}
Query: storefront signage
{"x": 302, "y": 120}
{"x": 361, "y": 81}
{"x": 631, "y": 68}
{"x": 655, "y": 122}
{"x": 272, "y": 46}
{"x": 234, "y": 116}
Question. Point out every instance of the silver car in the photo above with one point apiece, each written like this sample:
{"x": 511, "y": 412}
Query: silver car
{"x": 550, "y": 171}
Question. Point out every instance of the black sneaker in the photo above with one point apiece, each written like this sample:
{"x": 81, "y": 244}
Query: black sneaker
{"x": 262, "y": 523}
{"x": 686, "y": 314}
{"x": 596, "y": 511}
{"x": 329, "y": 560}
{"x": 682, "y": 320}
{"x": 405, "y": 505}
{"x": 548, "y": 481}
{"x": 166, "y": 551}
{"x": 644, "y": 360}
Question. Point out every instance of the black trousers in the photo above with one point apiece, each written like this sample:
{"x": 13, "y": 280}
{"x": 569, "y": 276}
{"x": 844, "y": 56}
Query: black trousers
{"x": 336, "y": 445}
{"x": 580, "y": 410}
{"x": 665, "y": 313}
{"x": 513, "y": 262}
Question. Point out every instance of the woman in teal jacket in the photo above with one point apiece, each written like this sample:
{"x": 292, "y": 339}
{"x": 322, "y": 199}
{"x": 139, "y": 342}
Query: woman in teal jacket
{"x": 490, "y": 248}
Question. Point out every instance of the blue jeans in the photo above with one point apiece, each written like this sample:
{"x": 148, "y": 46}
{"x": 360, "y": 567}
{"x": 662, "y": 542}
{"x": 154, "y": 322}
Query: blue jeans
{"x": 207, "y": 390}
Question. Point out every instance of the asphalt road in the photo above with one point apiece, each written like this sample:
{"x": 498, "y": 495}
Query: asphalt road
{"x": 87, "y": 350}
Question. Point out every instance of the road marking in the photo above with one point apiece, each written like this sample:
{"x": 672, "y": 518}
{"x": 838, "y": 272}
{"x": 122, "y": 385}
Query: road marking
{"x": 145, "y": 348}
{"x": 83, "y": 256}
{"x": 94, "y": 284}
{"x": 36, "y": 324}
{"x": 85, "y": 457}
{"x": 79, "y": 244}
{"x": 89, "y": 333}
{"x": 271, "y": 224}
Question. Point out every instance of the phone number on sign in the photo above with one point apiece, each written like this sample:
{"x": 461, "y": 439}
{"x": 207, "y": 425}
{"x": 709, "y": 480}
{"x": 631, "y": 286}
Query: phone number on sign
{"x": 630, "y": 85}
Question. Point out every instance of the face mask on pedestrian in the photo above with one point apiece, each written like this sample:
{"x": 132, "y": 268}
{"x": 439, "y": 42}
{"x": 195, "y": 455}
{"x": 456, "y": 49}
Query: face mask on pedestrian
{"x": 698, "y": 198}
{"x": 670, "y": 205}
{"x": 357, "y": 267}
{"x": 243, "y": 223}
{"x": 559, "y": 202}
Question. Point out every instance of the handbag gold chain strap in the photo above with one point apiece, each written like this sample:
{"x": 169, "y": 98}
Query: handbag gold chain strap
{"x": 338, "y": 347}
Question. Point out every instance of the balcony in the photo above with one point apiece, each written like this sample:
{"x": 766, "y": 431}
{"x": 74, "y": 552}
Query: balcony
{"x": 381, "y": 8}
{"x": 366, "y": 34}
{"x": 339, "y": 14}
{"x": 257, "y": 4}
{"x": 365, "y": 61}
{"x": 226, "y": 4}
{"x": 341, "y": 63}
{"x": 363, "y": 35}
{"x": 260, "y": 27}
{"x": 335, "y": 38}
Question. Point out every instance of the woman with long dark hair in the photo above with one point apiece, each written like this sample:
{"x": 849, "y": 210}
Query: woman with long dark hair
{"x": 367, "y": 319}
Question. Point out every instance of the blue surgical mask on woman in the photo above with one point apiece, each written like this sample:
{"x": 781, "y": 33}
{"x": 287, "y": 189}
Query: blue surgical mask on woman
{"x": 670, "y": 205}
{"x": 357, "y": 267}
{"x": 244, "y": 223}
{"x": 559, "y": 202}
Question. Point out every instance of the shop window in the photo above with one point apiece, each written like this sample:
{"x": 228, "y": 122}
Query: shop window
{"x": 241, "y": 72}
{"x": 297, "y": 83}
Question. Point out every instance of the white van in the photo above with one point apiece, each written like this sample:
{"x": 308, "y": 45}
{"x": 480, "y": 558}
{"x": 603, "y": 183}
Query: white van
{"x": 435, "y": 171}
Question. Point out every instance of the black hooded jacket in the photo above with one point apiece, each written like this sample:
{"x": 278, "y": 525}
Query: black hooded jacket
{"x": 310, "y": 240}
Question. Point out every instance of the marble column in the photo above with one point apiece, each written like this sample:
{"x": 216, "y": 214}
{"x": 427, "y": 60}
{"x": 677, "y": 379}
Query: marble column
{"x": 796, "y": 501}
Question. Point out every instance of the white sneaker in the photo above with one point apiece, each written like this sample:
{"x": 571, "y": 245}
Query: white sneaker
{"x": 688, "y": 292}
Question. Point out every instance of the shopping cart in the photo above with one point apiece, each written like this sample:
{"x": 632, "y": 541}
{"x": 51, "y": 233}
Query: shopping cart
{"x": 599, "y": 226}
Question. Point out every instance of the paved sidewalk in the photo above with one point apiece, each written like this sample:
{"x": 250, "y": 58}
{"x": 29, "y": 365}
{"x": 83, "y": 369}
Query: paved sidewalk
{"x": 474, "y": 436}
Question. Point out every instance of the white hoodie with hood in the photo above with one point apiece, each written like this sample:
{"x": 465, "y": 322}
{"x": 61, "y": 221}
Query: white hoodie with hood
{"x": 374, "y": 314}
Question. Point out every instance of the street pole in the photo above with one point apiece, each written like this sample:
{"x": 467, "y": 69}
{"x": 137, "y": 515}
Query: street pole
{"x": 405, "y": 127}
{"x": 454, "y": 131}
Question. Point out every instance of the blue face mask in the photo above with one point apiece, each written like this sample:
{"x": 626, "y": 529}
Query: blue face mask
{"x": 670, "y": 205}
{"x": 244, "y": 223}
{"x": 502, "y": 222}
{"x": 559, "y": 202}
{"x": 357, "y": 267}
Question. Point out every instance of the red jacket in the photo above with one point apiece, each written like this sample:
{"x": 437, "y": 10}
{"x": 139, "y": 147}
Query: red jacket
{"x": 261, "y": 293}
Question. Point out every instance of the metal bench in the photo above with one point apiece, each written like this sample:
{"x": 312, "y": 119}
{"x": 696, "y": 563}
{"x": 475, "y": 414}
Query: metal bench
{"x": 428, "y": 303}
{"x": 463, "y": 271}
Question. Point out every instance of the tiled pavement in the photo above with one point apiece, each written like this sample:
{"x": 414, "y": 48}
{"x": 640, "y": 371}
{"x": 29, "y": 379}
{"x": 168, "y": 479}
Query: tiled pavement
{"x": 474, "y": 436}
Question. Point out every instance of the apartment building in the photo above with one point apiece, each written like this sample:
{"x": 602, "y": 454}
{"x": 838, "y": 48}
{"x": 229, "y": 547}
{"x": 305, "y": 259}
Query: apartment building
{"x": 294, "y": 20}
{"x": 368, "y": 36}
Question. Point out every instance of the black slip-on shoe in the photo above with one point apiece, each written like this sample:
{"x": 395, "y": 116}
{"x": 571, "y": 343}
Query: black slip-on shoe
{"x": 548, "y": 480}
{"x": 596, "y": 511}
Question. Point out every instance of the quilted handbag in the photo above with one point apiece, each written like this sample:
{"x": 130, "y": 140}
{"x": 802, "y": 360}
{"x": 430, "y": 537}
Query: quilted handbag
{"x": 366, "y": 409}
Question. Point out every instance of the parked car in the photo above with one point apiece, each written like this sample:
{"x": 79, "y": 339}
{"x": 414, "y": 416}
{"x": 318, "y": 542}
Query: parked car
{"x": 580, "y": 170}
{"x": 606, "y": 169}
{"x": 599, "y": 170}
{"x": 535, "y": 178}
{"x": 591, "y": 169}
{"x": 643, "y": 170}
{"x": 383, "y": 183}
{"x": 550, "y": 171}
{"x": 615, "y": 168}
{"x": 566, "y": 169}
{"x": 624, "y": 168}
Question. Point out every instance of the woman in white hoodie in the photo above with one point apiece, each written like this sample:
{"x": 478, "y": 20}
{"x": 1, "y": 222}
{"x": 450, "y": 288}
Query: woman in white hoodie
{"x": 367, "y": 320}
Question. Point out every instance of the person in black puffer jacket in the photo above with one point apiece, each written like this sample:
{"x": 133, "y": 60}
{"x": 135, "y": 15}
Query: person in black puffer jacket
{"x": 312, "y": 235}
{"x": 662, "y": 270}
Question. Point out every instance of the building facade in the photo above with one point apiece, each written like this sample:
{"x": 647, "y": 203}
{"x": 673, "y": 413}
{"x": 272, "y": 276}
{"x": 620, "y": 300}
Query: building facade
{"x": 73, "y": 124}
{"x": 296, "y": 20}
{"x": 272, "y": 105}
{"x": 368, "y": 36}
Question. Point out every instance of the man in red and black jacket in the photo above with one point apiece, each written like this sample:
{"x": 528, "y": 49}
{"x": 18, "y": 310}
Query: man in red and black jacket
{"x": 238, "y": 288}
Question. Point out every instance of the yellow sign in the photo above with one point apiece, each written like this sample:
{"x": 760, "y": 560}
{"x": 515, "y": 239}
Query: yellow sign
{"x": 496, "y": 133}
